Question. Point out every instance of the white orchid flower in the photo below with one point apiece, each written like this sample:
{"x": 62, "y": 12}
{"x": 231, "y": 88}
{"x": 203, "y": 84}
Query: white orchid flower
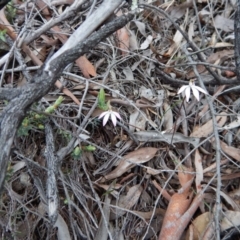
{"x": 195, "y": 89}
{"x": 114, "y": 116}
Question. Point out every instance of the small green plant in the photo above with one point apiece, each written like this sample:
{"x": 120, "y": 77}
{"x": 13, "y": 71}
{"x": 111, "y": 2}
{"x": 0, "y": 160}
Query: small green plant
{"x": 77, "y": 152}
{"x": 102, "y": 101}
{"x": 10, "y": 12}
{"x": 9, "y": 172}
{"x": 3, "y": 35}
{"x": 36, "y": 120}
{"x": 67, "y": 136}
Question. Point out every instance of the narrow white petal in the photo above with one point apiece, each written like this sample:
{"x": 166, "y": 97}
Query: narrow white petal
{"x": 182, "y": 89}
{"x": 117, "y": 115}
{"x": 201, "y": 90}
{"x": 105, "y": 119}
{"x": 102, "y": 114}
{"x": 195, "y": 92}
{"x": 114, "y": 119}
{"x": 187, "y": 93}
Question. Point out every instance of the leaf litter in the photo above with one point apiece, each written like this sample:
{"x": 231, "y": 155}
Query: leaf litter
{"x": 138, "y": 181}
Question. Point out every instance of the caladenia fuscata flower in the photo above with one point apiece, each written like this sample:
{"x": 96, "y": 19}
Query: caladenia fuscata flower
{"x": 195, "y": 89}
{"x": 110, "y": 114}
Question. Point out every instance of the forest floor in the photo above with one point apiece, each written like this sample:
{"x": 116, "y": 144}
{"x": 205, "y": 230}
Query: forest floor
{"x": 162, "y": 163}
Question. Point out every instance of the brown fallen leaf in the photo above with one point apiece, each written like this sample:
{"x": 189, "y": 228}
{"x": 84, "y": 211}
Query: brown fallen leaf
{"x": 229, "y": 74}
{"x": 230, "y": 219}
{"x": 86, "y": 67}
{"x": 230, "y": 151}
{"x": 186, "y": 177}
{"x": 177, "y": 206}
{"x": 178, "y": 215}
{"x": 199, "y": 226}
{"x": 206, "y": 129}
{"x": 67, "y": 92}
{"x": 123, "y": 40}
{"x": 127, "y": 201}
{"x": 139, "y": 156}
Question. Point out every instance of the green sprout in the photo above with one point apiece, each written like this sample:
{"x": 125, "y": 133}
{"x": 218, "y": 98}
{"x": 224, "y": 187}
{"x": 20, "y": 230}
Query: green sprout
{"x": 3, "y": 34}
{"x": 101, "y": 100}
{"x": 37, "y": 120}
{"x": 77, "y": 152}
{"x": 10, "y": 12}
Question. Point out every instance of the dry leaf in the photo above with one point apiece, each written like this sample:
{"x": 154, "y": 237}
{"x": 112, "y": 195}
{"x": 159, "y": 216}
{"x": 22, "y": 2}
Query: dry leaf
{"x": 177, "y": 206}
{"x": 221, "y": 45}
{"x": 199, "y": 170}
{"x": 138, "y": 120}
{"x": 228, "y": 199}
{"x": 168, "y": 116}
{"x": 225, "y": 24}
{"x": 67, "y": 92}
{"x": 199, "y": 226}
{"x": 176, "y": 42}
{"x": 63, "y": 231}
{"x": 86, "y": 67}
{"x": 102, "y": 231}
{"x": 110, "y": 188}
{"x": 128, "y": 201}
{"x": 231, "y": 219}
{"x": 231, "y": 151}
{"x": 123, "y": 40}
{"x": 128, "y": 73}
{"x": 186, "y": 177}
{"x": 178, "y": 216}
{"x": 141, "y": 27}
{"x": 170, "y": 138}
{"x": 133, "y": 43}
{"x": 139, "y": 156}
{"x": 234, "y": 124}
{"x": 146, "y": 43}
{"x": 206, "y": 129}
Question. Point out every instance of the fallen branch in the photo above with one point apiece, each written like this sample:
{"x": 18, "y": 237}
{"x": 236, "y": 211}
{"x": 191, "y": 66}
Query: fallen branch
{"x": 41, "y": 83}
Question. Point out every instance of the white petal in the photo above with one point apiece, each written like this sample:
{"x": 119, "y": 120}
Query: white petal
{"x": 200, "y": 89}
{"x": 103, "y": 114}
{"x": 117, "y": 115}
{"x": 105, "y": 119}
{"x": 195, "y": 92}
{"x": 182, "y": 88}
{"x": 114, "y": 119}
{"x": 187, "y": 93}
